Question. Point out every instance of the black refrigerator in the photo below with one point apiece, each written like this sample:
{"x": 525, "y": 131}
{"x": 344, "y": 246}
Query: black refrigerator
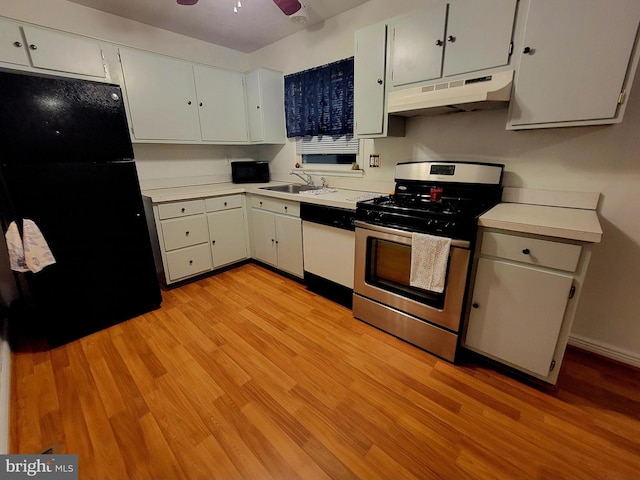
{"x": 66, "y": 162}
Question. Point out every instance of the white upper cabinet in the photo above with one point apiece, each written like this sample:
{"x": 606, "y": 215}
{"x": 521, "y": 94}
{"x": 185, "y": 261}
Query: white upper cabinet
{"x": 12, "y": 48}
{"x": 478, "y": 35}
{"x": 453, "y": 38}
{"x": 577, "y": 59}
{"x": 221, "y": 104}
{"x": 265, "y": 106}
{"x": 369, "y": 79}
{"x": 40, "y": 48}
{"x": 161, "y": 96}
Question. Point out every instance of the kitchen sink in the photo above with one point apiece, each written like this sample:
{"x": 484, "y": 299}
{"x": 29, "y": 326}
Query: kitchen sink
{"x": 291, "y": 188}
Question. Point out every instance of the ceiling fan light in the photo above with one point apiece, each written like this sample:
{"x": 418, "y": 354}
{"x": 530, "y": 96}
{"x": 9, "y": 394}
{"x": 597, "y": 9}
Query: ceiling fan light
{"x": 187, "y": 2}
{"x": 300, "y": 17}
{"x": 288, "y": 7}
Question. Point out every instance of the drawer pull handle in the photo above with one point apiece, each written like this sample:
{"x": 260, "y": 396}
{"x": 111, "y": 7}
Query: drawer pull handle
{"x": 526, "y": 251}
{"x": 475, "y": 305}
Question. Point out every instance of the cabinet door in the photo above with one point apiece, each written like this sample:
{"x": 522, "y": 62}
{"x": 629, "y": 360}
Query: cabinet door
{"x": 264, "y": 236}
{"x": 64, "y": 53}
{"x": 254, "y": 106}
{"x": 517, "y": 314}
{"x": 418, "y": 45}
{"x": 579, "y": 51}
{"x": 221, "y": 104}
{"x": 289, "y": 243}
{"x": 369, "y": 79}
{"x": 12, "y": 49}
{"x": 265, "y": 106}
{"x": 478, "y": 35}
{"x": 227, "y": 234}
{"x": 162, "y": 96}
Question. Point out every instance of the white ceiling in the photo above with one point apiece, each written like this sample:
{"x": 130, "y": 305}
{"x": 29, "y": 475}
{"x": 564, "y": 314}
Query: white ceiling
{"x": 258, "y": 22}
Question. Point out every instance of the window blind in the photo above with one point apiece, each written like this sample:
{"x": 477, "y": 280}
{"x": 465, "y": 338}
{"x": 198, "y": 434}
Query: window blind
{"x": 327, "y": 144}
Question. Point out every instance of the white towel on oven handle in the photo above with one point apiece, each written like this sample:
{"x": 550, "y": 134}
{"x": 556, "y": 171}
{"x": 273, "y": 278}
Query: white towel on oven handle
{"x": 429, "y": 260}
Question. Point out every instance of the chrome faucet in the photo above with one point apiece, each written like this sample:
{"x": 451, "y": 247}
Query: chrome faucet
{"x": 308, "y": 180}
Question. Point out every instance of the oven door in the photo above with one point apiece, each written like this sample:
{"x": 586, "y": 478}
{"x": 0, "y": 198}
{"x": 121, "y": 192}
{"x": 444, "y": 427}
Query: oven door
{"x": 382, "y": 272}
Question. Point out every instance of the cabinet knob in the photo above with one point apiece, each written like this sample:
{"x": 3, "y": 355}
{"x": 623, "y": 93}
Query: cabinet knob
{"x": 200, "y": 103}
{"x": 276, "y": 242}
{"x": 182, "y": 210}
{"x": 33, "y": 46}
{"x": 527, "y": 50}
{"x": 213, "y": 242}
{"x": 526, "y": 251}
{"x": 451, "y": 38}
{"x": 438, "y": 43}
{"x": 17, "y": 44}
{"x": 189, "y": 102}
{"x": 273, "y": 240}
{"x": 190, "y": 262}
{"x": 225, "y": 204}
{"x": 379, "y": 81}
{"x": 258, "y": 107}
{"x": 285, "y": 208}
{"x": 186, "y": 234}
{"x": 475, "y": 305}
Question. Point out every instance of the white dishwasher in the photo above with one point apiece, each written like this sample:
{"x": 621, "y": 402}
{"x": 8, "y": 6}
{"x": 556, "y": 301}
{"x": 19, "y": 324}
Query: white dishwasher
{"x": 328, "y": 241}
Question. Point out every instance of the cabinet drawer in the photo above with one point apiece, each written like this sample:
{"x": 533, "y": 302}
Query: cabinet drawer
{"x": 188, "y": 261}
{"x": 180, "y": 209}
{"x": 545, "y": 253}
{"x": 184, "y": 232}
{"x": 277, "y": 206}
{"x": 223, "y": 203}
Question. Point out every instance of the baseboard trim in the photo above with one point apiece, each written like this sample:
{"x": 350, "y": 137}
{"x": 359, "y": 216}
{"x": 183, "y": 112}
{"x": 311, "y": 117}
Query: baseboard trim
{"x": 5, "y": 387}
{"x": 605, "y": 350}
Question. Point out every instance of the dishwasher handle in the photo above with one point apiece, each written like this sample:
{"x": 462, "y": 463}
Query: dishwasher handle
{"x": 336, "y": 217}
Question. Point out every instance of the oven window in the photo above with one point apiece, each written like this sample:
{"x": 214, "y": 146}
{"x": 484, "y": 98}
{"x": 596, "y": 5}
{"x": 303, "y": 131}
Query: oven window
{"x": 389, "y": 268}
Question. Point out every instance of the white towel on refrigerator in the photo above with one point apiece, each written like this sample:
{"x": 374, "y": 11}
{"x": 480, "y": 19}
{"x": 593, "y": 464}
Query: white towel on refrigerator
{"x": 37, "y": 254}
{"x": 31, "y": 253}
{"x": 429, "y": 260}
{"x": 16, "y": 250}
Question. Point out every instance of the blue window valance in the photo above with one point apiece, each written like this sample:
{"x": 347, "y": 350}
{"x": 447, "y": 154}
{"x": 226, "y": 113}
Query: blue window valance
{"x": 319, "y": 101}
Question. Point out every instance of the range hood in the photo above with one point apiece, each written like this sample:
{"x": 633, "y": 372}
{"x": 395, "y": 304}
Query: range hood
{"x": 478, "y": 93}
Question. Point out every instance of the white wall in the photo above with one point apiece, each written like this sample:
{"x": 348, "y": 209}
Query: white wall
{"x": 604, "y": 159}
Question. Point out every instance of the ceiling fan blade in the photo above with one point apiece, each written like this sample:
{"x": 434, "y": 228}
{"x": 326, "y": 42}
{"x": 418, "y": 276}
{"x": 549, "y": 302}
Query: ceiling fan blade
{"x": 288, "y": 7}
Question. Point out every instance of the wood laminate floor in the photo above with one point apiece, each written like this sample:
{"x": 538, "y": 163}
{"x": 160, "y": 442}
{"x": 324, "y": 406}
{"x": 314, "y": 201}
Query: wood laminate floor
{"x": 247, "y": 375}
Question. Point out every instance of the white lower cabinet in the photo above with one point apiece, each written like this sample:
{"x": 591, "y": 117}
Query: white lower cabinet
{"x": 197, "y": 236}
{"x": 277, "y": 234}
{"x": 524, "y": 296}
{"x": 227, "y": 236}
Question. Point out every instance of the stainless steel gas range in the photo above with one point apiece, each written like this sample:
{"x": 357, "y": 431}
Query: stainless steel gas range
{"x": 433, "y": 211}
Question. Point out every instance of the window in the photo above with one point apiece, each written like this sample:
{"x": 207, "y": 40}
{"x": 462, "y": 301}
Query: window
{"x": 319, "y": 112}
{"x": 338, "y": 150}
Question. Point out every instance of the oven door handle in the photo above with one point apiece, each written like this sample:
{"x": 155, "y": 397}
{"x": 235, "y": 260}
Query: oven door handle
{"x": 402, "y": 233}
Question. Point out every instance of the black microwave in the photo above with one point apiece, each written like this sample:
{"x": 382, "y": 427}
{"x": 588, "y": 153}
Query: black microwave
{"x": 250, "y": 172}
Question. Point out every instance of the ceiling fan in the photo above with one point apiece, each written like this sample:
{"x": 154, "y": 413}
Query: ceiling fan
{"x": 288, "y": 7}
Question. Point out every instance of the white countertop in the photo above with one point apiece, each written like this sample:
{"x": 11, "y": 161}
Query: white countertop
{"x": 568, "y": 223}
{"x": 340, "y": 198}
